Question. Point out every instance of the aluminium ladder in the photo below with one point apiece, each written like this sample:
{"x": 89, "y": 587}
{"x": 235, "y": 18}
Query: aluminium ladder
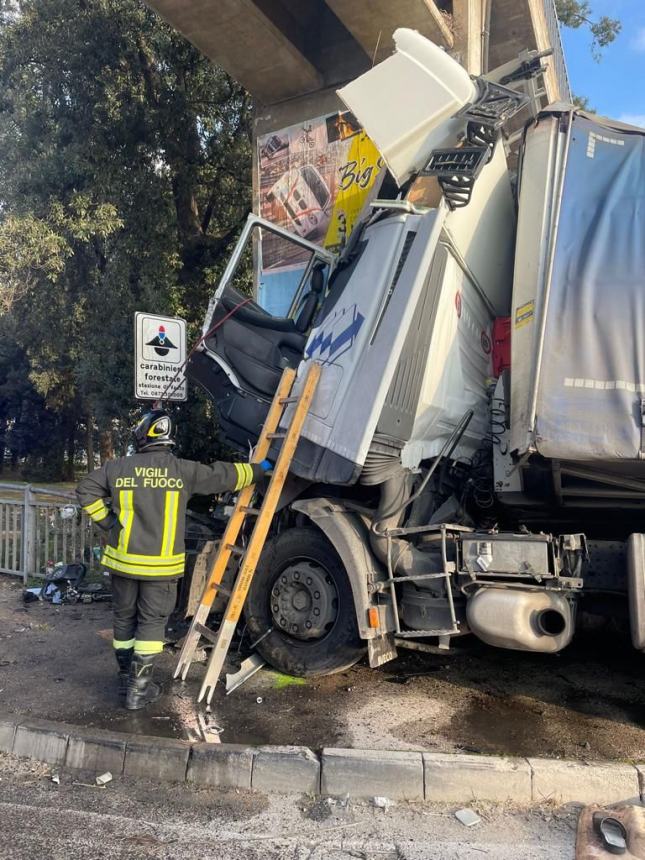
{"x": 249, "y": 556}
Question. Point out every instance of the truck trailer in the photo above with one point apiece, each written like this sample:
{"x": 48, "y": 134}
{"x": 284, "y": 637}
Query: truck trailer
{"x": 474, "y": 459}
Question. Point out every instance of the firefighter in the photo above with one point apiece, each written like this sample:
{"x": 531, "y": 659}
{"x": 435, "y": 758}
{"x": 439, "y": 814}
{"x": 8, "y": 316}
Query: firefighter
{"x": 140, "y": 502}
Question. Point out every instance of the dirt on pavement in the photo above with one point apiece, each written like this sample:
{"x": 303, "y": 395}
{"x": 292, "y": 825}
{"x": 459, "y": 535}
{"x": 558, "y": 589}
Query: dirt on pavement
{"x": 137, "y": 820}
{"x": 586, "y": 703}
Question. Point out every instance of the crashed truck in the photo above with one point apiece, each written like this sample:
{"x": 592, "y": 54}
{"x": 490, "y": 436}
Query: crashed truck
{"x": 474, "y": 459}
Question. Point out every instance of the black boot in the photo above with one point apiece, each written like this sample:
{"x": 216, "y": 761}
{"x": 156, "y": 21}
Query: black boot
{"x": 141, "y": 688}
{"x": 124, "y": 659}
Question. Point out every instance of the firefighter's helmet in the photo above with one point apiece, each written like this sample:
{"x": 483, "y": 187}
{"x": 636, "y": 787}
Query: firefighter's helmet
{"x": 154, "y": 430}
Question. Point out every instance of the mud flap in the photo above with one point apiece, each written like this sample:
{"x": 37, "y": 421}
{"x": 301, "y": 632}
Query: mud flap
{"x": 381, "y": 650}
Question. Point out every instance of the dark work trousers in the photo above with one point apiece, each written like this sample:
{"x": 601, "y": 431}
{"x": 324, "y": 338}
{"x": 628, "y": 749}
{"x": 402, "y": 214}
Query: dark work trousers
{"x": 140, "y": 612}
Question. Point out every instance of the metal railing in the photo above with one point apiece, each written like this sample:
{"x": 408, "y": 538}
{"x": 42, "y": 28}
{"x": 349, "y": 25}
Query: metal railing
{"x": 34, "y": 536}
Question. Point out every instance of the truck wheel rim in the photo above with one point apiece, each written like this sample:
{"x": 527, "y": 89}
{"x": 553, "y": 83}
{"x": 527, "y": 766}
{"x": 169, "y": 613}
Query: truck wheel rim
{"x": 304, "y": 600}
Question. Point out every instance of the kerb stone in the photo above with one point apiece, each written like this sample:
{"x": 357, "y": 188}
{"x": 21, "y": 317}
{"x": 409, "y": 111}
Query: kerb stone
{"x": 40, "y": 742}
{"x": 372, "y": 773}
{"x": 156, "y": 758}
{"x": 225, "y": 765}
{"x": 7, "y": 732}
{"x": 462, "y": 778}
{"x": 96, "y": 754}
{"x": 286, "y": 770}
{"x": 596, "y": 782}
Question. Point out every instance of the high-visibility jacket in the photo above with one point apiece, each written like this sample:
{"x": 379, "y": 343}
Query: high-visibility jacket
{"x": 141, "y": 502}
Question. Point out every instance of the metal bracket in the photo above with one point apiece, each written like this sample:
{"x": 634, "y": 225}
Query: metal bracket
{"x": 456, "y": 171}
{"x": 495, "y": 106}
{"x": 401, "y": 205}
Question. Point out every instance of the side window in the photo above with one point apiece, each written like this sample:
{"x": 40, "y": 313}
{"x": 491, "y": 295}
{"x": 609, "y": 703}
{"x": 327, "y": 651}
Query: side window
{"x": 279, "y": 290}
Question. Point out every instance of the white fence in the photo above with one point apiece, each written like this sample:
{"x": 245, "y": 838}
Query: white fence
{"x": 33, "y": 535}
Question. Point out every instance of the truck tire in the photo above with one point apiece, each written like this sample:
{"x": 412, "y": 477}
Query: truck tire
{"x": 301, "y": 593}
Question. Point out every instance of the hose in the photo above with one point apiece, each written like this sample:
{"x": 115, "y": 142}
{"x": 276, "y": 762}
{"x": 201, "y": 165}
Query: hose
{"x": 449, "y": 446}
{"x": 401, "y": 556}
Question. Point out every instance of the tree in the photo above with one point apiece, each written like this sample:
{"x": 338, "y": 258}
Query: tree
{"x": 582, "y": 102}
{"x": 577, "y": 13}
{"x": 124, "y": 178}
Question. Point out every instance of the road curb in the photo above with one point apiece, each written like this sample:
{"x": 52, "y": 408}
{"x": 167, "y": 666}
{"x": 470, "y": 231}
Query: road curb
{"x": 398, "y": 775}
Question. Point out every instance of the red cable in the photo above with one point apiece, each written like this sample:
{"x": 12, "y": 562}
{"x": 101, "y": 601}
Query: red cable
{"x": 200, "y": 341}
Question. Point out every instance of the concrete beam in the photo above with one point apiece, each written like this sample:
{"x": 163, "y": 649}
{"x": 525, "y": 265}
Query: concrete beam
{"x": 548, "y": 37}
{"x": 373, "y": 23}
{"x": 238, "y": 36}
{"x": 467, "y": 28}
{"x": 517, "y": 25}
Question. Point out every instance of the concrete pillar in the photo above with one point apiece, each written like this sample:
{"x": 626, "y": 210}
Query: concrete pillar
{"x": 469, "y": 18}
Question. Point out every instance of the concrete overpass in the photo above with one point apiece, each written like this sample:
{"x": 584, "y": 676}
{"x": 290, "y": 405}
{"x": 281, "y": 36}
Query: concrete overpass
{"x": 292, "y": 54}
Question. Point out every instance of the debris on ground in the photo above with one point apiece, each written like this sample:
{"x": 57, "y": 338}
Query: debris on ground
{"x": 382, "y": 803}
{"x": 319, "y": 810}
{"x": 55, "y": 778}
{"x": 247, "y": 669}
{"x": 467, "y": 817}
{"x": 210, "y": 732}
{"x": 104, "y": 778}
{"x": 619, "y": 830}
{"x": 175, "y": 646}
{"x": 31, "y": 595}
{"x": 64, "y": 583}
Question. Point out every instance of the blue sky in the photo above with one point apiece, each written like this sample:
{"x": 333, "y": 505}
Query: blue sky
{"x": 615, "y": 86}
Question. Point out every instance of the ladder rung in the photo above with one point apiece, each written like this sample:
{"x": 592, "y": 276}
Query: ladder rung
{"x": 235, "y": 550}
{"x": 285, "y": 401}
{"x": 207, "y": 633}
{"x": 275, "y": 435}
{"x": 414, "y": 634}
{"x": 247, "y": 510}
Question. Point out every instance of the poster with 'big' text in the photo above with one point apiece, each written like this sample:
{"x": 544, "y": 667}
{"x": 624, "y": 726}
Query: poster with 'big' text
{"x": 314, "y": 180}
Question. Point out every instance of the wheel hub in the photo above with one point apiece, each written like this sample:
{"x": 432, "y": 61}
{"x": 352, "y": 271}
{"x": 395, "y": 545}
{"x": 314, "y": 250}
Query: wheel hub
{"x": 304, "y": 601}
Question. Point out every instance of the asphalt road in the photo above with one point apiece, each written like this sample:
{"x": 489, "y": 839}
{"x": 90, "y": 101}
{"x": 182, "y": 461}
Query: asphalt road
{"x": 130, "y": 820}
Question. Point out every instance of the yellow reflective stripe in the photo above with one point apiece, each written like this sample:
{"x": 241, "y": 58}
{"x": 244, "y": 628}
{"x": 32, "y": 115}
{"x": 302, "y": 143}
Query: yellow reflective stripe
{"x": 126, "y": 518}
{"x": 93, "y": 507}
{"x": 170, "y": 523}
{"x": 147, "y": 647}
{"x": 147, "y": 560}
{"x": 123, "y": 643}
{"x": 143, "y": 570}
{"x": 244, "y": 475}
{"x": 100, "y": 515}
{"x": 163, "y": 569}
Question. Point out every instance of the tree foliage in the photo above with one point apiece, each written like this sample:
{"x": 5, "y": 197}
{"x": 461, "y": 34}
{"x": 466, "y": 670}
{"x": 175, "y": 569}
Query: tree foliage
{"x": 124, "y": 178}
{"x": 578, "y": 13}
{"x": 582, "y": 102}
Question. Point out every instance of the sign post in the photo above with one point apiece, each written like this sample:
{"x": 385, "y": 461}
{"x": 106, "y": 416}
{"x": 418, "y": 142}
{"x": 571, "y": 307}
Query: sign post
{"x": 159, "y": 357}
